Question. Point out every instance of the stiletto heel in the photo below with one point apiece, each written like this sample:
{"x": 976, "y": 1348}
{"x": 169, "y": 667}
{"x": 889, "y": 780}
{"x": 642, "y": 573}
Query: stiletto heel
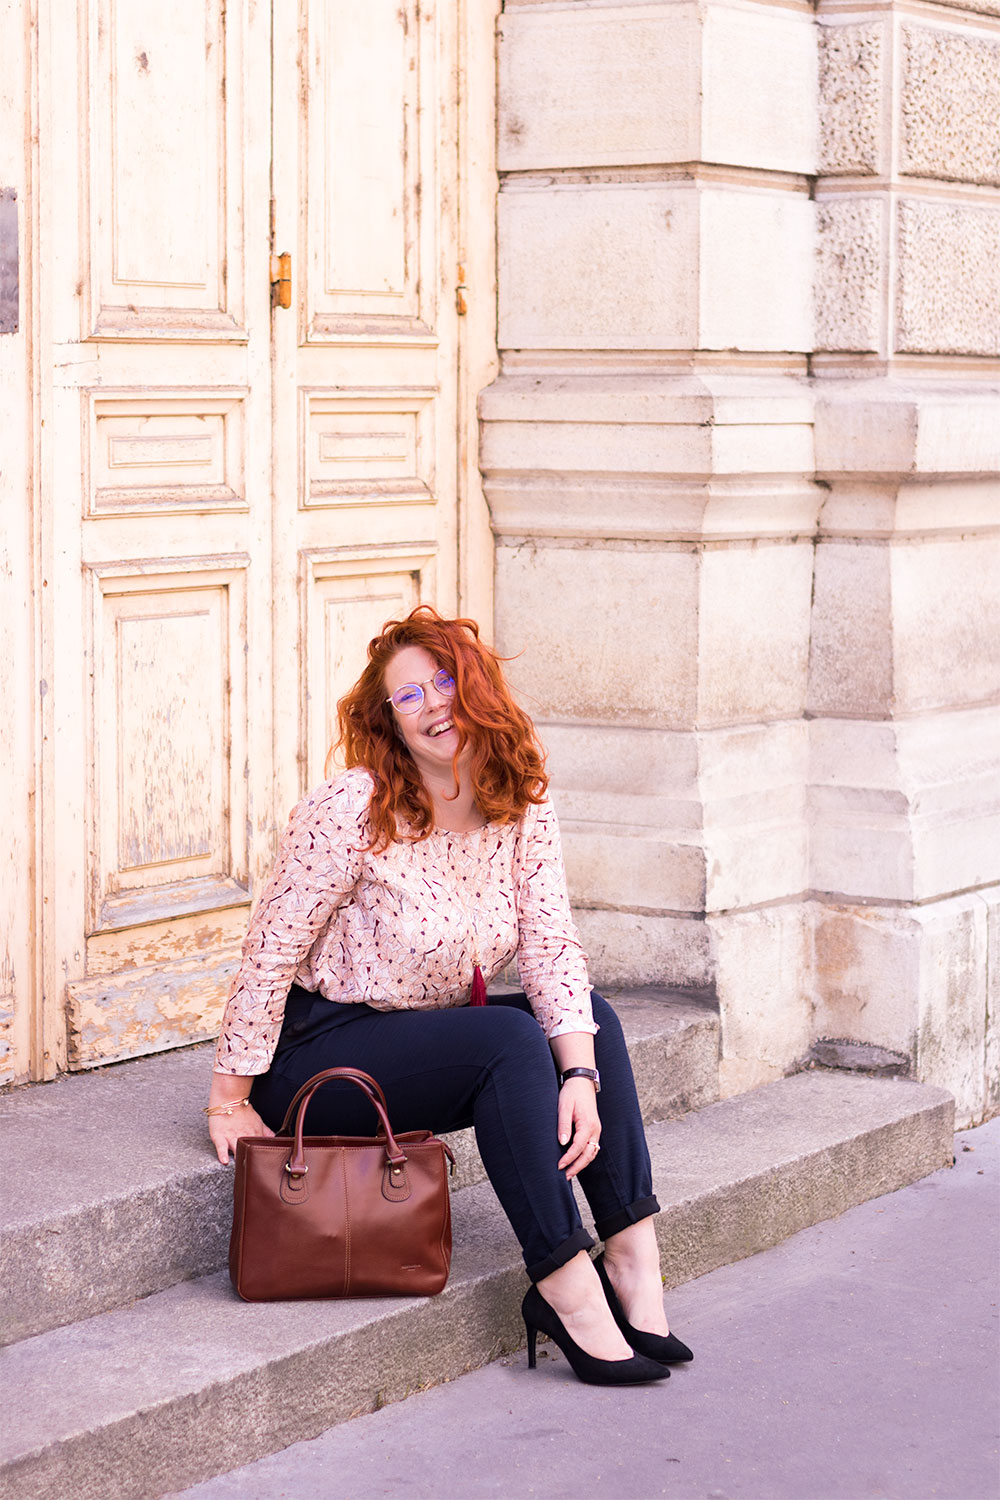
{"x": 540, "y": 1317}
{"x": 668, "y": 1350}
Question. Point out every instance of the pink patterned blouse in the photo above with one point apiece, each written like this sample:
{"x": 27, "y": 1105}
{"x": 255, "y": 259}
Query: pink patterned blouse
{"x": 403, "y": 929}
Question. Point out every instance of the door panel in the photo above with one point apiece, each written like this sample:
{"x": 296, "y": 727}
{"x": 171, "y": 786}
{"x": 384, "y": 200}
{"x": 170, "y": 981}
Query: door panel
{"x": 369, "y": 126}
{"x": 155, "y": 504}
{"x": 368, "y": 451}
{"x": 350, "y": 594}
{"x": 181, "y": 453}
{"x": 232, "y": 498}
{"x": 367, "y": 359}
{"x": 169, "y": 709}
{"x": 166, "y": 131}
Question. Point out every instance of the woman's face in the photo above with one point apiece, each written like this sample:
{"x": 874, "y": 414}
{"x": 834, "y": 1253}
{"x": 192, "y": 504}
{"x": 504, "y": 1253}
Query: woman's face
{"x": 429, "y": 734}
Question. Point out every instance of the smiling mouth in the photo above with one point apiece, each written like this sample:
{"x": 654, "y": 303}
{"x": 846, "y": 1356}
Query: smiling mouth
{"x": 441, "y": 728}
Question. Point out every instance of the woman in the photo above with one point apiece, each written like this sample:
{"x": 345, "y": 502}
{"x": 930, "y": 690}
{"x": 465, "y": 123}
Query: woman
{"x": 399, "y": 887}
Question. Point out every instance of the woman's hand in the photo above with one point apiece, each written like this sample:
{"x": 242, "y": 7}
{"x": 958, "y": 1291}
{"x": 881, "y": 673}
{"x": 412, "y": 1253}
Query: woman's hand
{"x": 579, "y": 1125}
{"x": 226, "y": 1130}
{"x": 230, "y": 1090}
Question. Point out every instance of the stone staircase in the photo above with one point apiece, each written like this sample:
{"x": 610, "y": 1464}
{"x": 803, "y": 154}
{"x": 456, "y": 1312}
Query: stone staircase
{"x": 131, "y": 1367}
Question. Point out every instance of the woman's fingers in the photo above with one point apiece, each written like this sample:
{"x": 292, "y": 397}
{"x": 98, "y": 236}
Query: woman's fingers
{"x": 226, "y": 1130}
{"x": 573, "y": 1165}
{"x": 579, "y": 1126}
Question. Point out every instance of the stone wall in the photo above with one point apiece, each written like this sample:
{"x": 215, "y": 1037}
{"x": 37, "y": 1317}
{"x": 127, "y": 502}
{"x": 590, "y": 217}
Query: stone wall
{"x": 905, "y": 655}
{"x": 749, "y": 567}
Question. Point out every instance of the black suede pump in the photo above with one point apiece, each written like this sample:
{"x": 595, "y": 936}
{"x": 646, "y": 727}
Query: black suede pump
{"x": 540, "y": 1317}
{"x": 668, "y": 1350}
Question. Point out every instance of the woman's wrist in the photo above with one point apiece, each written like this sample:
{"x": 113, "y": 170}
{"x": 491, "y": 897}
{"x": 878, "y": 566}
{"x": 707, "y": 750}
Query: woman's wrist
{"x": 573, "y": 1049}
{"x": 591, "y": 1075}
{"x": 229, "y": 1088}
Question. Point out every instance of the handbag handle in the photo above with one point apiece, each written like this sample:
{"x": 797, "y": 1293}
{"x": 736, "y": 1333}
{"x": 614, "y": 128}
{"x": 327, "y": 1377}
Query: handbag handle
{"x": 296, "y": 1165}
{"x": 355, "y": 1075}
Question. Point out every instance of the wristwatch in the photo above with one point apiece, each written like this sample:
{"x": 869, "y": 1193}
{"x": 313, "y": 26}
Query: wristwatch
{"x": 590, "y": 1073}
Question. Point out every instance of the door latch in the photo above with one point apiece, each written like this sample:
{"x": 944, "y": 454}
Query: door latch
{"x": 281, "y": 280}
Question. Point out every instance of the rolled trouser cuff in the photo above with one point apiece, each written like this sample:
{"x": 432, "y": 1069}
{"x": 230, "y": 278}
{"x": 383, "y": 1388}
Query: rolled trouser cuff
{"x": 642, "y": 1208}
{"x": 579, "y": 1240}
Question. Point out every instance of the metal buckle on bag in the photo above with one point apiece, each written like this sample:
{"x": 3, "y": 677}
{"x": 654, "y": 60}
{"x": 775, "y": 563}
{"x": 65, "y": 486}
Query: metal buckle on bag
{"x": 301, "y": 1173}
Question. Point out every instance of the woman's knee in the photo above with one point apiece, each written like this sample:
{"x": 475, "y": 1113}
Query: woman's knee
{"x": 518, "y": 1037}
{"x": 606, "y": 1018}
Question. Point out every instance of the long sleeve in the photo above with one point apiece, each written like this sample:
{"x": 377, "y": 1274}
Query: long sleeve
{"x": 550, "y": 959}
{"x": 318, "y": 866}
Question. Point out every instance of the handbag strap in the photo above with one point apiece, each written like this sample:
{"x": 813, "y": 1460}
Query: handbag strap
{"x": 353, "y": 1075}
{"x": 296, "y": 1165}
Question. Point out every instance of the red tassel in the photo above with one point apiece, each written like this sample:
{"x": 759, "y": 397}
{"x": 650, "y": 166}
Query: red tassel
{"x": 478, "y": 996}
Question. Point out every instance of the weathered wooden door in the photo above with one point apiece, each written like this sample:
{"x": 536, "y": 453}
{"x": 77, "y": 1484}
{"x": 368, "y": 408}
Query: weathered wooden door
{"x": 365, "y": 171}
{"x": 232, "y": 495}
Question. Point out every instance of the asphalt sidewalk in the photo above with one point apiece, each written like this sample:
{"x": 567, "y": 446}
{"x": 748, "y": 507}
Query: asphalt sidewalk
{"x": 860, "y": 1360}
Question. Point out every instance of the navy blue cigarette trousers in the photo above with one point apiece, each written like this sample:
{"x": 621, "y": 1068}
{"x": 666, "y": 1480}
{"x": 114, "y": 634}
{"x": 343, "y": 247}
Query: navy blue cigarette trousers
{"x": 485, "y": 1066}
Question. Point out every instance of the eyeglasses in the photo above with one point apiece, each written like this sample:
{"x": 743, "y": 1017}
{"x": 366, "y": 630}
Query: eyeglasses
{"x": 409, "y": 698}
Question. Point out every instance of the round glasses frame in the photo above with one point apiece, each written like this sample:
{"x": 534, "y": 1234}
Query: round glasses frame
{"x": 442, "y": 680}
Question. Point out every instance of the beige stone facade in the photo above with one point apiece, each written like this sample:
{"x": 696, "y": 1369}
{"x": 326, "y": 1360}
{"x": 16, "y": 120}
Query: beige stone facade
{"x": 743, "y": 463}
{"x": 739, "y": 504}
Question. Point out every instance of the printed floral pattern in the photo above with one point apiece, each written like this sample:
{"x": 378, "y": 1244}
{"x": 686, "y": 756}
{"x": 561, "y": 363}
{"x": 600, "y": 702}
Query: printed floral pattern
{"x": 403, "y": 929}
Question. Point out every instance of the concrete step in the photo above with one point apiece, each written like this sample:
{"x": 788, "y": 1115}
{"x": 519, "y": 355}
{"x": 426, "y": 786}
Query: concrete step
{"x": 189, "y": 1382}
{"x": 112, "y": 1192}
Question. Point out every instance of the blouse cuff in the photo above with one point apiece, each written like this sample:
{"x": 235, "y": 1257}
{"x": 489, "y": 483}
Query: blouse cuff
{"x": 573, "y": 1023}
{"x": 241, "y": 1062}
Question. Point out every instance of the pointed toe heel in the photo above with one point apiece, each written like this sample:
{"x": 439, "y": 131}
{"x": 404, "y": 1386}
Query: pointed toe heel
{"x": 666, "y": 1350}
{"x": 540, "y": 1317}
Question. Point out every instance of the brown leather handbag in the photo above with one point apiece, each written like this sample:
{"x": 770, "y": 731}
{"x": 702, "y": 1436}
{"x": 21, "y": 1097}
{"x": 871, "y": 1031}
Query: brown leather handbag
{"x": 340, "y": 1216}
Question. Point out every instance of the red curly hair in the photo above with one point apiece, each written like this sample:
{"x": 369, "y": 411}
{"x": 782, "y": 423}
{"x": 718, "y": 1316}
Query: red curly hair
{"x": 507, "y": 767}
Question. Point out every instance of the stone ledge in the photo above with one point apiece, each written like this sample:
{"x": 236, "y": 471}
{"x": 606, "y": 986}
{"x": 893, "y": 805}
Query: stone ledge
{"x": 895, "y": 431}
{"x": 198, "y": 1382}
{"x": 130, "y": 1199}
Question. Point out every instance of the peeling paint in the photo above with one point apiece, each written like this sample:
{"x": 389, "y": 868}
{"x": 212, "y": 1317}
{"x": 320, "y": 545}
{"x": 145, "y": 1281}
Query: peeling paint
{"x": 197, "y": 936}
{"x": 147, "y": 1011}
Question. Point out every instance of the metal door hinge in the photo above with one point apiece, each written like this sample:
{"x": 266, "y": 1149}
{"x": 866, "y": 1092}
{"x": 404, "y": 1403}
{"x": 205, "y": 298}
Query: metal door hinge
{"x": 281, "y": 280}
{"x": 460, "y": 291}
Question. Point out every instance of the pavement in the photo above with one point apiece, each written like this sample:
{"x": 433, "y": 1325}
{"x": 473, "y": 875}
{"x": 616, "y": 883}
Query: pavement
{"x": 858, "y": 1360}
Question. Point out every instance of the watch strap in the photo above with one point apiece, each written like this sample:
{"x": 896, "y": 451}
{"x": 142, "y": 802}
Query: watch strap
{"x": 590, "y": 1073}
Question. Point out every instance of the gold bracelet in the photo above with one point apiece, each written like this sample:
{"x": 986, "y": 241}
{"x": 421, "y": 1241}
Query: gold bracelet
{"x": 225, "y": 1109}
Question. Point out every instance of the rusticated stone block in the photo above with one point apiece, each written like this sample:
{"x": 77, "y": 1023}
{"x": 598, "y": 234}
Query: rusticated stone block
{"x": 849, "y": 274}
{"x": 692, "y": 267}
{"x": 905, "y": 809}
{"x": 984, "y": 7}
{"x": 759, "y": 87}
{"x": 991, "y": 901}
{"x": 946, "y": 648}
{"x": 890, "y": 430}
{"x": 753, "y": 633}
{"x": 851, "y": 66}
{"x": 762, "y": 963}
{"x": 562, "y": 247}
{"x": 582, "y": 617}
{"x": 950, "y": 125}
{"x": 912, "y": 980}
{"x": 585, "y": 87}
{"x": 755, "y": 260}
{"x": 616, "y": 85}
{"x": 850, "y": 669}
{"x": 948, "y": 294}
